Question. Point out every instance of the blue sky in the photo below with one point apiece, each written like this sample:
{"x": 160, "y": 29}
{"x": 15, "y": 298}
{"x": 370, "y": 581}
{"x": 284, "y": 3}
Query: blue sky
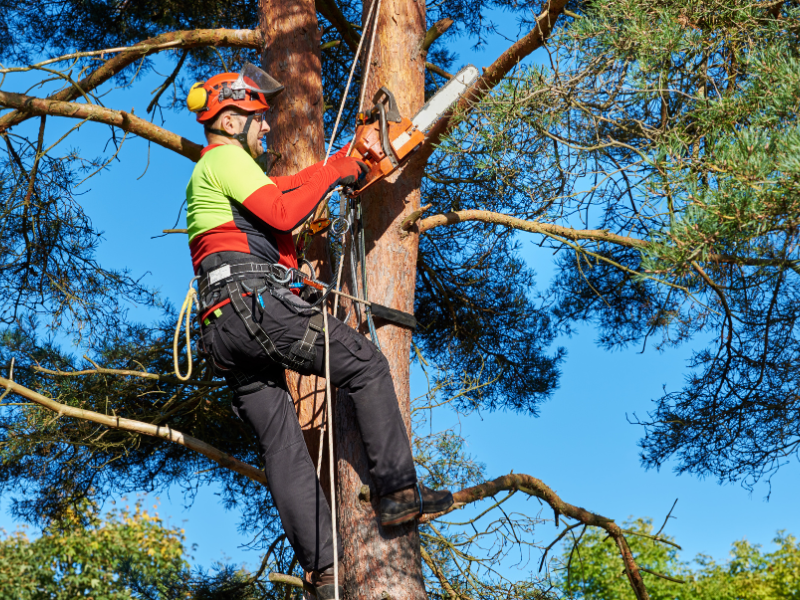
{"x": 581, "y": 445}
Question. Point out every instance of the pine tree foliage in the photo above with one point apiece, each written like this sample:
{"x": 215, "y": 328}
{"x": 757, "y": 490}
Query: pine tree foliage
{"x": 652, "y": 146}
{"x": 48, "y": 245}
{"x": 666, "y": 133}
{"x": 684, "y": 116}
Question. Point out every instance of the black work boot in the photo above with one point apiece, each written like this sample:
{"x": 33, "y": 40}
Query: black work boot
{"x": 411, "y": 502}
{"x": 324, "y": 581}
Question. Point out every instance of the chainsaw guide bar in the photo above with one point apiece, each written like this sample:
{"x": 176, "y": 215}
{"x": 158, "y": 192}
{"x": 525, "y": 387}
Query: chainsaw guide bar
{"x": 385, "y": 139}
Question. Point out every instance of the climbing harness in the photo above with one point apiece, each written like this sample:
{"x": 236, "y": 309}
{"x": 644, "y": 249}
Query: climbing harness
{"x": 301, "y": 353}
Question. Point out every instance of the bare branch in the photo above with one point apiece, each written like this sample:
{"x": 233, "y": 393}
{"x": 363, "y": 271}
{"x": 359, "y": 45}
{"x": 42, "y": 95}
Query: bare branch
{"x": 597, "y": 235}
{"x": 129, "y": 373}
{"x": 439, "y": 574}
{"x": 196, "y": 38}
{"x": 164, "y": 432}
{"x": 667, "y": 577}
{"x": 486, "y": 216}
{"x": 438, "y": 70}
{"x": 655, "y": 538}
{"x": 535, "y": 487}
{"x": 666, "y": 519}
{"x": 167, "y": 82}
{"x": 124, "y": 120}
{"x": 293, "y": 581}
{"x": 434, "y": 33}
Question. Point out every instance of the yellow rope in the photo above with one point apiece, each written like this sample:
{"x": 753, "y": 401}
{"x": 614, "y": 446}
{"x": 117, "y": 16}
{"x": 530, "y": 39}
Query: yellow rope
{"x": 186, "y": 309}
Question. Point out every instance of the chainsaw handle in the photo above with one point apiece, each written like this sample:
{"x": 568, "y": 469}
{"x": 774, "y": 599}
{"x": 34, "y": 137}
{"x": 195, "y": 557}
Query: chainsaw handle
{"x": 385, "y": 143}
{"x": 392, "y": 112}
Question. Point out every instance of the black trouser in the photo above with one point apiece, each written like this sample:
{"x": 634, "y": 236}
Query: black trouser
{"x": 262, "y": 400}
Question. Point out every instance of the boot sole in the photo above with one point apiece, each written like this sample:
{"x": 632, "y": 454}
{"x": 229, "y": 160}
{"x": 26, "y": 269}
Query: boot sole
{"x": 404, "y": 517}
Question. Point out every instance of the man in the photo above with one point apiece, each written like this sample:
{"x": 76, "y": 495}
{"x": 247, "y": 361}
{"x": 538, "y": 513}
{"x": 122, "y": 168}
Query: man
{"x": 254, "y": 326}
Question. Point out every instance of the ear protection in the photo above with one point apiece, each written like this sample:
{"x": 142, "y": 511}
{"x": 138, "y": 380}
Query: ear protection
{"x": 197, "y": 100}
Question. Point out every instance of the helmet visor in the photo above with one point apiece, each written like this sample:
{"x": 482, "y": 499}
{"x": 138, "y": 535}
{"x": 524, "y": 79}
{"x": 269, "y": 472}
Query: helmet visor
{"x": 257, "y": 81}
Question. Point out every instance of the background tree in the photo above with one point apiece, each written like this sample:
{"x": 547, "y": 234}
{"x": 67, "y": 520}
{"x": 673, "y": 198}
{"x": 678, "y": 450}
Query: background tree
{"x": 655, "y": 153}
{"x": 750, "y": 572}
{"x": 121, "y": 555}
{"x": 82, "y": 555}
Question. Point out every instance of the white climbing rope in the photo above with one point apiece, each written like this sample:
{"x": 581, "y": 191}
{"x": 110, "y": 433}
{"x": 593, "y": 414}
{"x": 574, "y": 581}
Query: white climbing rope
{"x": 376, "y": 4}
{"x": 330, "y": 454}
{"x": 363, "y": 91}
{"x": 335, "y": 309}
{"x": 350, "y": 79}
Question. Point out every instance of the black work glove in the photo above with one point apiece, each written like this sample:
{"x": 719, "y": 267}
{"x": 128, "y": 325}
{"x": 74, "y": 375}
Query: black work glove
{"x": 351, "y": 170}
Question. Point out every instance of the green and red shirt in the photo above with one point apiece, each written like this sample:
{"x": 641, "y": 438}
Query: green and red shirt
{"x": 232, "y": 206}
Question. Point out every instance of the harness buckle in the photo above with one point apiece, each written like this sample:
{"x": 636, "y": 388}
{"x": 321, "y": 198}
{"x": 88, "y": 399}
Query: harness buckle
{"x": 285, "y": 276}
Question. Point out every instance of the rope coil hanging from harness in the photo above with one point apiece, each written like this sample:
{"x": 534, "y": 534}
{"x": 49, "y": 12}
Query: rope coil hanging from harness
{"x": 186, "y": 310}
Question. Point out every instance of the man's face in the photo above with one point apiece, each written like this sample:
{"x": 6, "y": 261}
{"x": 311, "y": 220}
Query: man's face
{"x": 233, "y": 123}
{"x": 258, "y": 129}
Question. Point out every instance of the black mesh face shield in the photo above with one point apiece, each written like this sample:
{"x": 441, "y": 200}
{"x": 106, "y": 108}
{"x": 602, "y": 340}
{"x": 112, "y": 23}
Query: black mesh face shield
{"x": 257, "y": 82}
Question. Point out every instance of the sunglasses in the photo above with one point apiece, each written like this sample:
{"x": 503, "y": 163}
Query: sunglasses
{"x": 258, "y": 117}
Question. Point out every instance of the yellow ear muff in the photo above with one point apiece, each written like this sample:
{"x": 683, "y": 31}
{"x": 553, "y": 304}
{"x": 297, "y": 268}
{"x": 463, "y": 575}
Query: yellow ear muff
{"x": 197, "y": 99}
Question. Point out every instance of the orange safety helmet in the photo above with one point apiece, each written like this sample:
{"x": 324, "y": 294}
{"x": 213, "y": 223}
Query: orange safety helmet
{"x": 248, "y": 90}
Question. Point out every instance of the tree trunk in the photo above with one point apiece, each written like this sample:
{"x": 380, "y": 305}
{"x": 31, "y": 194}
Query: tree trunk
{"x": 291, "y": 54}
{"x": 375, "y": 562}
{"x": 378, "y": 561}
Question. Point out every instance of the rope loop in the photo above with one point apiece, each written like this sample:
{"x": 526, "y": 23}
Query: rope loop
{"x": 186, "y": 309}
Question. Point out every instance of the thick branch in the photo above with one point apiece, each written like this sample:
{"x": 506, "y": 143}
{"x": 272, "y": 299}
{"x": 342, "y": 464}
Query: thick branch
{"x": 535, "y": 487}
{"x": 196, "y": 38}
{"x": 451, "y": 593}
{"x": 130, "y": 373}
{"x": 293, "y": 581}
{"x": 495, "y": 73}
{"x": 91, "y": 112}
{"x": 167, "y": 82}
{"x": 164, "y": 432}
{"x": 330, "y": 10}
{"x": 435, "y": 32}
{"x": 597, "y": 235}
{"x": 486, "y": 216}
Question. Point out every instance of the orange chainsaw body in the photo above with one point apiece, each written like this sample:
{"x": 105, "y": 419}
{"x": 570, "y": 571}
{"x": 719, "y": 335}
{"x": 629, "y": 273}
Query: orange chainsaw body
{"x": 384, "y": 139}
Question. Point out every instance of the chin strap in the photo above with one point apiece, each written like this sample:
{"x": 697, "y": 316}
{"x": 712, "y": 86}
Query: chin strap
{"x": 239, "y": 137}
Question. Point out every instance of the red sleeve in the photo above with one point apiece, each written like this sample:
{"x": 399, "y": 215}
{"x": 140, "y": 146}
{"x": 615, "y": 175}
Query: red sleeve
{"x": 285, "y": 211}
{"x": 291, "y": 182}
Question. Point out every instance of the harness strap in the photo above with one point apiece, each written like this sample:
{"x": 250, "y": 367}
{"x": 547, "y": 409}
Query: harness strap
{"x": 239, "y": 137}
{"x": 221, "y": 275}
{"x": 305, "y": 347}
{"x": 303, "y": 351}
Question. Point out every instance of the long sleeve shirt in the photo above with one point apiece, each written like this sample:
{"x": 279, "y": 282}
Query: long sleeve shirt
{"x": 233, "y": 206}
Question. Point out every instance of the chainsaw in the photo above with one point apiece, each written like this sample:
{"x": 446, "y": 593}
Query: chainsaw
{"x": 385, "y": 139}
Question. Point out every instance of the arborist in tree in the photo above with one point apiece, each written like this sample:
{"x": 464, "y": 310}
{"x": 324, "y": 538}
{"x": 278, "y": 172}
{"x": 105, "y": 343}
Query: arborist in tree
{"x": 255, "y": 325}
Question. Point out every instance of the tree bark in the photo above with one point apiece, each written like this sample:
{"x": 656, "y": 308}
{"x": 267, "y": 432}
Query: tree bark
{"x": 378, "y": 561}
{"x": 291, "y": 54}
